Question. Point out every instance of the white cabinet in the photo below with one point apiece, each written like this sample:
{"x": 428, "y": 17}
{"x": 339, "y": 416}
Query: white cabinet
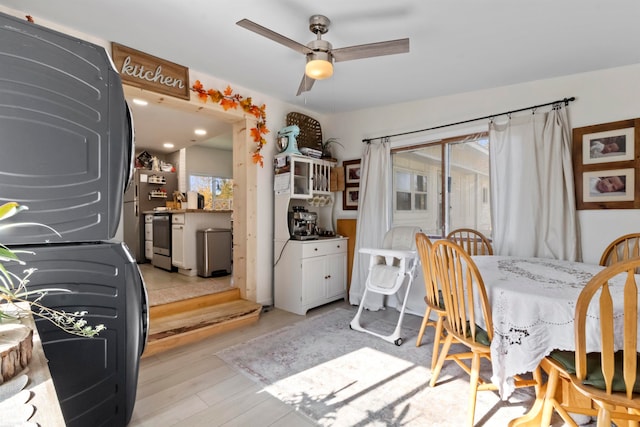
{"x": 148, "y": 236}
{"x": 178, "y": 243}
{"x": 310, "y": 274}
{"x": 302, "y": 177}
{"x": 184, "y": 227}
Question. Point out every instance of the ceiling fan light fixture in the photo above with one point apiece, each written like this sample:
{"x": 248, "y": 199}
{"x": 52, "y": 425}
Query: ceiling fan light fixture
{"x": 319, "y": 66}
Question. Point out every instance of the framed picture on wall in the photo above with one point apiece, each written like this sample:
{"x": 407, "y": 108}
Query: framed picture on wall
{"x": 615, "y": 185}
{"x": 608, "y": 146}
{"x": 605, "y": 165}
{"x": 350, "y": 197}
{"x": 351, "y": 172}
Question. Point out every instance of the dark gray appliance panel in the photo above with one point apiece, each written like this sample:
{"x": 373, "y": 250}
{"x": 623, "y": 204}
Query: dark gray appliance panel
{"x": 65, "y": 133}
{"x": 95, "y": 378}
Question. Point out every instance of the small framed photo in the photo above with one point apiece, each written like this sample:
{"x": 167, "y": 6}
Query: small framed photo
{"x": 351, "y": 172}
{"x": 350, "y": 197}
{"x": 609, "y": 146}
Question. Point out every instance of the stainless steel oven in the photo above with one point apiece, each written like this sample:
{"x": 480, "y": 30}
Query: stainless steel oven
{"x": 162, "y": 241}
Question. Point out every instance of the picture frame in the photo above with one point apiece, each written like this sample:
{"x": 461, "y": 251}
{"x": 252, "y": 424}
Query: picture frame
{"x": 609, "y": 168}
{"x": 351, "y": 172}
{"x": 350, "y": 197}
{"x": 609, "y": 146}
{"x": 615, "y": 185}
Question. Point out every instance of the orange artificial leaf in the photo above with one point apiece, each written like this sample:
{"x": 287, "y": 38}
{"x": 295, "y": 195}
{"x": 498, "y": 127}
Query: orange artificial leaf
{"x": 257, "y": 158}
{"x": 228, "y": 103}
{"x": 263, "y": 127}
{"x": 255, "y": 134}
{"x": 228, "y": 91}
{"x": 197, "y": 86}
{"x": 202, "y": 96}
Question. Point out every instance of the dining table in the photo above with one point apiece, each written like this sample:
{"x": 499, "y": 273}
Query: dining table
{"x": 533, "y": 308}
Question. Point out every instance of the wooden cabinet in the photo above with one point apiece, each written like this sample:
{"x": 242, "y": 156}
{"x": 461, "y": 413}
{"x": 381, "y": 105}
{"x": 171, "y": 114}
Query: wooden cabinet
{"x": 310, "y": 274}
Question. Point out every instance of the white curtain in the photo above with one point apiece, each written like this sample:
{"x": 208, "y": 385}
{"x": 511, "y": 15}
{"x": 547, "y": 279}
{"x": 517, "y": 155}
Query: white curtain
{"x": 374, "y": 216}
{"x": 532, "y": 188}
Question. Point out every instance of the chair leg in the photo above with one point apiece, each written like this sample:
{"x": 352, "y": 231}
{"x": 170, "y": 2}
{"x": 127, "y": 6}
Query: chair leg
{"x": 443, "y": 355}
{"x": 549, "y": 398}
{"x": 473, "y": 380}
{"x": 423, "y": 327}
{"x": 437, "y": 340}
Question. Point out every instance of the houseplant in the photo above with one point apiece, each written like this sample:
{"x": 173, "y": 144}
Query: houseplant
{"x": 327, "y": 152}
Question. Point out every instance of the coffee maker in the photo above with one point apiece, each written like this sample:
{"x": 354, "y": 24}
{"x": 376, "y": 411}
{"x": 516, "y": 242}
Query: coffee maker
{"x": 303, "y": 224}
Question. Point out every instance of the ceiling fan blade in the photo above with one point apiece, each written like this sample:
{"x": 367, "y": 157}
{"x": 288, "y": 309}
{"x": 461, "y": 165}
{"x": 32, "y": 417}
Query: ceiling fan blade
{"x": 390, "y": 47}
{"x": 306, "y": 84}
{"x": 265, "y": 32}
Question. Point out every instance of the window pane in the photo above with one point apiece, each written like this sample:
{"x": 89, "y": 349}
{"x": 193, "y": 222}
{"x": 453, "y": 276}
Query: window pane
{"x": 403, "y": 181}
{"x": 422, "y": 168}
{"x": 403, "y": 201}
{"x": 469, "y": 192}
{"x": 211, "y": 187}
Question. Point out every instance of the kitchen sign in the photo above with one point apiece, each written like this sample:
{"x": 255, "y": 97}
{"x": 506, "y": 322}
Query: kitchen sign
{"x": 151, "y": 73}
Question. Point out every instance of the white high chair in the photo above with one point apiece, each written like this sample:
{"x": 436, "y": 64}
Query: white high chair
{"x": 389, "y": 268}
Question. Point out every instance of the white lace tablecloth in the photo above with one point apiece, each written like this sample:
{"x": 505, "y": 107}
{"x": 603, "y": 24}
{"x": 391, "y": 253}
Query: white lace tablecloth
{"x": 533, "y": 304}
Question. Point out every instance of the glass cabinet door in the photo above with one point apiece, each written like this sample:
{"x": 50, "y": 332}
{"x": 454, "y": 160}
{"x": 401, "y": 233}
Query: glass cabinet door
{"x": 301, "y": 178}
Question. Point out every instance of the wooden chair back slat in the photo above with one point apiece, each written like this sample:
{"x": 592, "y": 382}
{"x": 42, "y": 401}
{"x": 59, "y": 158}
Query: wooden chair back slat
{"x": 622, "y": 248}
{"x": 472, "y": 241}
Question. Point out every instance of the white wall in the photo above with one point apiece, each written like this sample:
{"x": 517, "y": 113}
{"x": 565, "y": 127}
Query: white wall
{"x": 601, "y": 97}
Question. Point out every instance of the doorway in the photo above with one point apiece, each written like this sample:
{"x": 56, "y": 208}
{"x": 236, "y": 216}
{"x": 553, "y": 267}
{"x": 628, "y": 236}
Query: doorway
{"x": 244, "y": 177}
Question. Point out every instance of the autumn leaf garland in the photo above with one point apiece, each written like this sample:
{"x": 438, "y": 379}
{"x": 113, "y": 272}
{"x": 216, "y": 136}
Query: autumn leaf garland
{"x": 228, "y": 100}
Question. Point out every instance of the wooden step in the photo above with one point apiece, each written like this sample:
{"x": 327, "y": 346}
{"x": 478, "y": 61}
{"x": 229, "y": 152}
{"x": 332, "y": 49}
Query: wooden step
{"x": 184, "y": 322}
{"x": 157, "y": 311}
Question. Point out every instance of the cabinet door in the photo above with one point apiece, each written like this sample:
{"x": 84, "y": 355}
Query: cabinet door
{"x": 335, "y": 275}
{"x": 148, "y": 232}
{"x": 177, "y": 245}
{"x": 148, "y": 249}
{"x": 301, "y": 172}
{"x": 313, "y": 281}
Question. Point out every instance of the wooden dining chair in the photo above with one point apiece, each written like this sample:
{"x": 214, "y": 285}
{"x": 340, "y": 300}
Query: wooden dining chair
{"x": 473, "y": 241}
{"x": 433, "y": 298}
{"x": 466, "y": 306}
{"x": 606, "y": 375}
{"x": 622, "y": 248}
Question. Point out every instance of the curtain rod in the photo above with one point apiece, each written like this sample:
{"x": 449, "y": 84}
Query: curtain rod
{"x": 565, "y": 100}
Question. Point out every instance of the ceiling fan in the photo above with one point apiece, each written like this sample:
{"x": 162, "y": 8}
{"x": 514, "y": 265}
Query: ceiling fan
{"x": 320, "y": 54}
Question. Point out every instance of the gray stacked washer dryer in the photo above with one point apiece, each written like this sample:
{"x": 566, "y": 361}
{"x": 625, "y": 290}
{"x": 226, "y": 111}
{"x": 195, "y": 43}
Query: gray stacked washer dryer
{"x": 66, "y": 139}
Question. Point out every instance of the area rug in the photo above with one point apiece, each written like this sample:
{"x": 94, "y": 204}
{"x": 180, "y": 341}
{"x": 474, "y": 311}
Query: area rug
{"x": 341, "y": 377}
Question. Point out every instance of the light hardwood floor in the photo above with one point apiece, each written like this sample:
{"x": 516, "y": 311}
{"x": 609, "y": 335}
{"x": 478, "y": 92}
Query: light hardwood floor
{"x": 191, "y": 386}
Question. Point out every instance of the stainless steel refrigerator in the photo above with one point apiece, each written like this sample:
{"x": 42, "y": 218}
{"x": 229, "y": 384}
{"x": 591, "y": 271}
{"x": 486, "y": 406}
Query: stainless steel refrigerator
{"x": 142, "y": 196}
{"x": 66, "y": 136}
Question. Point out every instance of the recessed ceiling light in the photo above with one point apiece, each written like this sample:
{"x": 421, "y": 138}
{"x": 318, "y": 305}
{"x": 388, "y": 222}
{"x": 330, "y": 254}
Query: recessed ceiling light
{"x": 167, "y": 145}
{"x": 200, "y": 132}
{"x": 139, "y": 101}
